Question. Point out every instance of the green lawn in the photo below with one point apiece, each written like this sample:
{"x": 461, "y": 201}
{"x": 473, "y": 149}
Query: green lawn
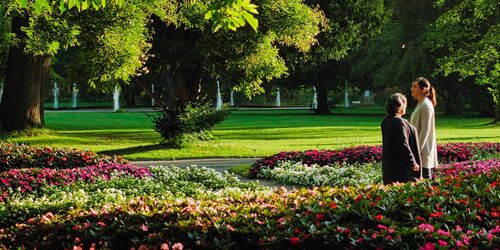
{"x": 243, "y": 134}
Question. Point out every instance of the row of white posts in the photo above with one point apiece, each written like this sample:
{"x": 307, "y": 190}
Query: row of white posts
{"x": 218, "y": 105}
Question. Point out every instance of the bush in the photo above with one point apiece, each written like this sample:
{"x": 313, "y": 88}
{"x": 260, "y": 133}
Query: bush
{"x": 14, "y": 155}
{"x": 447, "y": 153}
{"x": 182, "y": 125}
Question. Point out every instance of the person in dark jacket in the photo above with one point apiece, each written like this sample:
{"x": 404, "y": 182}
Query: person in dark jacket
{"x": 400, "y": 155}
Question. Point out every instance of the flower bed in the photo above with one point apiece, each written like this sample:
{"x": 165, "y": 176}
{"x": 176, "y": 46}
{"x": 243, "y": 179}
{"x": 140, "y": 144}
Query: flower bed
{"x": 162, "y": 183}
{"x": 450, "y": 212}
{"x": 467, "y": 168}
{"x": 13, "y": 155}
{"x": 31, "y": 179}
{"x": 450, "y": 152}
{"x": 302, "y": 175}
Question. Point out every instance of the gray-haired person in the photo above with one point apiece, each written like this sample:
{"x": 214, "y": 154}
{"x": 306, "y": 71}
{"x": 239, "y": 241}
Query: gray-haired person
{"x": 400, "y": 154}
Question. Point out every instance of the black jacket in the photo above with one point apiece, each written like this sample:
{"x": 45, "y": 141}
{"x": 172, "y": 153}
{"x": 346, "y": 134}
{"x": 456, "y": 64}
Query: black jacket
{"x": 399, "y": 150}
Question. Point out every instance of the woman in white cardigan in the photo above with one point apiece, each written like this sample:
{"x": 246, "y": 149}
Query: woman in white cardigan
{"x": 424, "y": 120}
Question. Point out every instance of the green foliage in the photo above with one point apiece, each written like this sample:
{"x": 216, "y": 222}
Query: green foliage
{"x": 232, "y": 14}
{"x": 40, "y": 6}
{"x": 193, "y": 122}
{"x": 469, "y": 31}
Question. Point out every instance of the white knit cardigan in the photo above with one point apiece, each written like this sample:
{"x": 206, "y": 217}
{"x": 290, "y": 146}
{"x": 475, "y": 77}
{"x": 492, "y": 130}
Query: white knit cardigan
{"x": 424, "y": 120}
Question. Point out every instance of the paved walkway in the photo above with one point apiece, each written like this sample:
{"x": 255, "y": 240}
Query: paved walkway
{"x": 219, "y": 164}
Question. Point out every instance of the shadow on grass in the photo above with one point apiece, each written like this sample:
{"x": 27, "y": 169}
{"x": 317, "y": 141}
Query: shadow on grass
{"x": 134, "y": 150}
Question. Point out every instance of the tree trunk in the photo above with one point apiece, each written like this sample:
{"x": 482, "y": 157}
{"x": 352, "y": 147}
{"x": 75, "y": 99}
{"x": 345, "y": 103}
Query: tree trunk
{"x": 322, "y": 94}
{"x": 21, "y": 106}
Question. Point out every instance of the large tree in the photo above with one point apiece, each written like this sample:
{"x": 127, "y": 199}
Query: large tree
{"x": 348, "y": 24}
{"x": 112, "y": 35}
{"x": 187, "y": 57}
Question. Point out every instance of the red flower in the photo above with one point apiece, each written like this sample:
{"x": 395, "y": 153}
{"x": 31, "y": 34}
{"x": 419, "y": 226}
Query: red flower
{"x": 320, "y": 216}
{"x": 379, "y": 217}
{"x": 438, "y": 214}
{"x": 294, "y": 240}
{"x": 333, "y": 205}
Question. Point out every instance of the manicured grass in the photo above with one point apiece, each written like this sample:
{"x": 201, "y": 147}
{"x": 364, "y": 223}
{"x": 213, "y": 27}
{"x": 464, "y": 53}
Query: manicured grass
{"x": 243, "y": 134}
{"x": 243, "y": 170}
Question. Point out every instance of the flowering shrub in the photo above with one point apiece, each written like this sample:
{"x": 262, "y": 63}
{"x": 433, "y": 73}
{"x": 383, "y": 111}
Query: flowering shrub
{"x": 450, "y": 152}
{"x": 449, "y": 212}
{"x": 13, "y": 155}
{"x": 303, "y": 175}
{"x": 31, "y": 179}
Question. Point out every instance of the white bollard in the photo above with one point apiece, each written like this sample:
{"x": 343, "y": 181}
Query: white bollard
{"x": 55, "y": 89}
{"x": 218, "y": 105}
{"x": 116, "y": 99}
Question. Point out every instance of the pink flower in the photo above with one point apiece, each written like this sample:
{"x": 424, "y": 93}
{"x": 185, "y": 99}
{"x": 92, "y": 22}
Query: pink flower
{"x": 230, "y": 228}
{"x": 443, "y": 233}
{"x": 426, "y": 227}
{"x": 164, "y": 246}
{"x": 428, "y": 246}
{"x": 442, "y": 243}
{"x": 177, "y": 246}
{"x": 459, "y": 243}
{"x": 381, "y": 227}
{"x": 144, "y": 228}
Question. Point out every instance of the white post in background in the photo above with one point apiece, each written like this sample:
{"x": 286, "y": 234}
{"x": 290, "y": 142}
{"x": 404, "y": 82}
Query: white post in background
{"x": 55, "y": 89}
{"x": 75, "y": 94}
{"x": 218, "y": 105}
{"x": 346, "y": 97}
{"x": 152, "y": 91}
{"x": 116, "y": 99}
{"x": 231, "y": 101}
{"x": 315, "y": 99}
{"x": 278, "y": 98}
{"x": 1, "y": 92}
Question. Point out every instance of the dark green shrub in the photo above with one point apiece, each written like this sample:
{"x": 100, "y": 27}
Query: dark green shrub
{"x": 193, "y": 122}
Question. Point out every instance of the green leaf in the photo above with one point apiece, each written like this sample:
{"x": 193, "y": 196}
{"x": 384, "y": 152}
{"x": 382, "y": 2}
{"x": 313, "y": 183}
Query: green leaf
{"x": 254, "y": 23}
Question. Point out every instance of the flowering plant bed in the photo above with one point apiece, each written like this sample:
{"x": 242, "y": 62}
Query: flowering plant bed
{"x": 459, "y": 211}
{"x": 32, "y": 179}
{"x": 13, "y": 155}
{"x": 447, "y": 153}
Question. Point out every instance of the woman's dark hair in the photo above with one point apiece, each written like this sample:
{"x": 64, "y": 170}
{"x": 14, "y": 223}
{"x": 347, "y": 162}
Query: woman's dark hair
{"x": 395, "y": 104}
{"x": 428, "y": 90}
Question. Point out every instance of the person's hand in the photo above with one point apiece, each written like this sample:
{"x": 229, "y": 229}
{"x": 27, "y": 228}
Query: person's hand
{"x": 415, "y": 168}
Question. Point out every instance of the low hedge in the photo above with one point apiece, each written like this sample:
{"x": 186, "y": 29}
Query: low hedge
{"x": 457, "y": 211}
{"x": 447, "y": 153}
{"x": 14, "y": 155}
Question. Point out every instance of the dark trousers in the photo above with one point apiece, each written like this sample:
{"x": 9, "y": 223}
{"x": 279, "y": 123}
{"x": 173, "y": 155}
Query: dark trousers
{"x": 427, "y": 173}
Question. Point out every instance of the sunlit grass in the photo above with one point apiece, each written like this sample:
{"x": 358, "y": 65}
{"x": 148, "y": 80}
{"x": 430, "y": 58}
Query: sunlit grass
{"x": 243, "y": 134}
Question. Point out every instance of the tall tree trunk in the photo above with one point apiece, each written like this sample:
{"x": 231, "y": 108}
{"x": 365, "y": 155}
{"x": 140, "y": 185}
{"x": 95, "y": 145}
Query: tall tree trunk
{"x": 322, "y": 94}
{"x": 21, "y": 106}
